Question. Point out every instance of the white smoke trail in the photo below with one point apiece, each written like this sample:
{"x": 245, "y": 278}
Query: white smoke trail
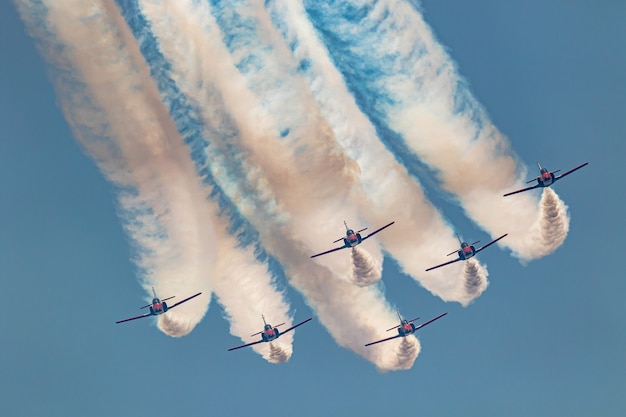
{"x": 164, "y": 212}
{"x": 409, "y": 347}
{"x": 366, "y": 271}
{"x": 246, "y": 290}
{"x": 426, "y": 102}
{"x": 307, "y": 175}
{"x": 394, "y": 195}
{"x": 244, "y": 287}
{"x": 405, "y": 350}
{"x": 278, "y": 354}
{"x": 553, "y": 224}
{"x": 100, "y": 82}
{"x": 475, "y": 279}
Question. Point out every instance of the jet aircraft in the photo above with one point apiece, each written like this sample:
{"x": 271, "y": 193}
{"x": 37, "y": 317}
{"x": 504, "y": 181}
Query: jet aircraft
{"x": 406, "y": 327}
{"x": 269, "y": 333}
{"x": 467, "y": 251}
{"x": 352, "y": 238}
{"x": 545, "y": 178}
{"x": 158, "y": 306}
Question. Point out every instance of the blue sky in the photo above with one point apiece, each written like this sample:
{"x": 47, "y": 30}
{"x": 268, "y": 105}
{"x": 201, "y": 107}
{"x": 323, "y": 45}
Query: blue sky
{"x": 545, "y": 339}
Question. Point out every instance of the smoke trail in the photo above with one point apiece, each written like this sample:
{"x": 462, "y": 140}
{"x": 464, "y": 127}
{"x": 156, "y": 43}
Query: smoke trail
{"x": 393, "y": 196}
{"x": 366, "y": 270}
{"x": 553, "y": 224}
{"x": 102, "y": 85}
{"x": 404, "y": 349}
{"x": 475, "y": 279}
{"x": 242, "y": 284}
{"x": 409, "y": 348}
{"x": 295, "y": 175}
{"x": 410, "y": 89}
{"x": 246, "y": 290}
{"x": 277, "y": 354}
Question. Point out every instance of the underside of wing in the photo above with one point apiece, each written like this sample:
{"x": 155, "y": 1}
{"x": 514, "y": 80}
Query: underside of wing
{"x": 246, "y": 345}
{"x": 443, "y": 264}
{"x": 378, "y": 230}
{"x": 522, "y": 190}
{"x": 186, "y": 299}
{"x": 490, "y": 243}
{"x": 570, "y": 171}
{"x": 299, "y": 324}
{"x": 329, "y": 251}
{"x": 430, "y": 321}
{"x": 134, "y": 318}
{"x": 383, "y": 340}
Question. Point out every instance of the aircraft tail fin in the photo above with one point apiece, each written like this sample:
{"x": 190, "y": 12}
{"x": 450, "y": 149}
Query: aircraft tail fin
{"x": 396, "y": 326}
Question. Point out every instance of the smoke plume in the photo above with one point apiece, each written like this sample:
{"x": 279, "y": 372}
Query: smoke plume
{"x": 366, "y": 271}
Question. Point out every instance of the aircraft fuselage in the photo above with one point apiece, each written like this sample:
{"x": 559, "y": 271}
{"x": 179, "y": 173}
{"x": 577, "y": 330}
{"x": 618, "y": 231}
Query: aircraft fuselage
{"x": 406, "y": 328}
{"x": 467, "y": 251}
{"x": 352, "y": 239}
{"x": 270, "y": 333}
{"x": 158, "y": 307}
{"x": 546, "y": 178}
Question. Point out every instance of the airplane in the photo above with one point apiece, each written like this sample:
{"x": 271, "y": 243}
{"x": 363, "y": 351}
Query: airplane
{"x": 269, "y": 333}
{"x": 406, "y": 327}
{"x": 467, "y": 251}
{"x": 352, "y": 238}
{"x": 545, "y": 178}
{"x": 158, "y": 306}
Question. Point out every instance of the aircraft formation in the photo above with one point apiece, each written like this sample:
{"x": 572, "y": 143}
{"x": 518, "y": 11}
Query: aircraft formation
{"x": 350, "y": 240}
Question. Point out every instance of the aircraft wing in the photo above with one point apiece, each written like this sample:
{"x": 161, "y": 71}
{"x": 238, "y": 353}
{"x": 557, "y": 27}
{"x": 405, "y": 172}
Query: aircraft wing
{"x": 299, "y": 324}
{"x": 329, "y": 251}
{"x": 378, "y": 230}
{"x": 444, "y": 264}
{"x": 134, "y": 318}
{"x": 570, "y": 171}
{"x": 430, "y": 321}
{"x": 246, "y": 345}
{"x": 383, "y": 340}
{"x": 490, "y": 243}
{"x": 522, "y": 190}
{"x": 182, "y": 301}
